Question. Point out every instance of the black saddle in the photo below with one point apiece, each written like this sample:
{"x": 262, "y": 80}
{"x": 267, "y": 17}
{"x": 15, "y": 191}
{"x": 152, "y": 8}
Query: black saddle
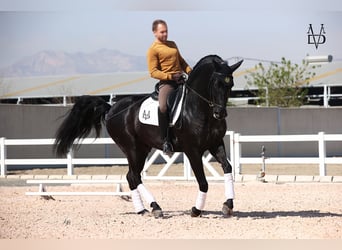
{"x": 173, "y": 99}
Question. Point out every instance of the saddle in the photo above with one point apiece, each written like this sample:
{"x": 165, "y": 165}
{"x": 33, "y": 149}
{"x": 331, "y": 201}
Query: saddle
{"x": 173, "y": 98}
{"x": 148, "y": 113}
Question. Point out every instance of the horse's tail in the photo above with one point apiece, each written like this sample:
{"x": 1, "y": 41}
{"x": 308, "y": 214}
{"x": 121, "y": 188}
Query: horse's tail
{"x": 87, "y": 113}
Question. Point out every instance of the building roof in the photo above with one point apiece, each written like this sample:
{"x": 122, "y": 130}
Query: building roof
{"x": 125, "y": 83}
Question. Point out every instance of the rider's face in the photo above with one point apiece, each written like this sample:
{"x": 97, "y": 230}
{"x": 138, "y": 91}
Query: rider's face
{"x": 161, "y": 33}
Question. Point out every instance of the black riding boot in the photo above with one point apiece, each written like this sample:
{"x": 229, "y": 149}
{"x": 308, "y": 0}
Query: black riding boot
{"x": 164, "y": 130}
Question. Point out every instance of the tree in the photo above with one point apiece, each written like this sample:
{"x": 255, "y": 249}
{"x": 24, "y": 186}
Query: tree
{"x": 282, "y": 83}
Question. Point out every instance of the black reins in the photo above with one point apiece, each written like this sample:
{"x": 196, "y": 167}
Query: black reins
{"x": 209, "y": 102}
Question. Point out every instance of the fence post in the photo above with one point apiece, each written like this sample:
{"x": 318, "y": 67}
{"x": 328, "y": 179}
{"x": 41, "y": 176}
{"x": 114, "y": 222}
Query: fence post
{"x": 321, "y": 154}
{"x": 70, "y": 166}
{"x": 3, "y": 167}
{"x": 64, "y": 100}
{"x": 237, "y": 153}
{"x": 231, "y": 151}
{"x": 187, "y": 167}
{"x": 325, "y": 96}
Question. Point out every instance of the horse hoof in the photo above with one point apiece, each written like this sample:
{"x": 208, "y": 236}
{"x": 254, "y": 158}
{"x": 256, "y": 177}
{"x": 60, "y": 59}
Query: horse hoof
{"x": 157, "y": 213}
{"x": 156, "y": 210}
{"x": 227, "y": 211}
{"x": 195, "y": 212}
{"x": 143, "y": 212}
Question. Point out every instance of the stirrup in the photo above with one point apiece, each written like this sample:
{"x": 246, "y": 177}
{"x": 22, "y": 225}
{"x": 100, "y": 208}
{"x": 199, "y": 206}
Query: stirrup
{"x": 167, "y": 148}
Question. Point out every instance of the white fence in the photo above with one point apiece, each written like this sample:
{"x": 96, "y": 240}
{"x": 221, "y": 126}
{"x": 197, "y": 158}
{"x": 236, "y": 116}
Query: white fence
{"x": 42, "y": 191}
{"x": 321, "y": 138}
{"x": 236, "y": 160}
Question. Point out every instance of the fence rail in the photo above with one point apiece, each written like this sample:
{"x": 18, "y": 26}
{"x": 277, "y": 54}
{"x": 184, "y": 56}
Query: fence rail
{"x": 321, "y": 138}
{"x": 43, "y": 192}
{"x": 235, "y": 155}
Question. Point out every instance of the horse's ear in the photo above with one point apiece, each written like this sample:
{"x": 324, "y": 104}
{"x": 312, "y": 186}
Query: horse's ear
{"x": 236, "y": 65}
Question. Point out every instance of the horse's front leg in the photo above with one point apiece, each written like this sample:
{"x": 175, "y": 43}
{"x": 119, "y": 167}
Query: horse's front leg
{"x": 219, "y": 153}
{"x": 197, "y": 167}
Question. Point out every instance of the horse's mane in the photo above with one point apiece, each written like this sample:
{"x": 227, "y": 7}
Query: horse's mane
{"x": 209, "y": 59}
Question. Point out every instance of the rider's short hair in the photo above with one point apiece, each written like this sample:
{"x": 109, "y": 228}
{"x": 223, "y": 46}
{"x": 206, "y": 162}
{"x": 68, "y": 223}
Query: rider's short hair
{"x": 156, "y": 22}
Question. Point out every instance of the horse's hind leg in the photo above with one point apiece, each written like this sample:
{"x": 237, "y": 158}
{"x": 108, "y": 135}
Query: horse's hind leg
{"x": 136, "y": 159}
{"x": 220, "y": 155}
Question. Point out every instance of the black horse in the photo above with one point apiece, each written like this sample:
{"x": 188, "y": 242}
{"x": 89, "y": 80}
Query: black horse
{"x": 203, "y": 127}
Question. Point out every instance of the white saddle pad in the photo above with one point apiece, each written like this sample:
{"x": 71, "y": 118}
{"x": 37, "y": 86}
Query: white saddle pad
{"x": 148, "y": 113}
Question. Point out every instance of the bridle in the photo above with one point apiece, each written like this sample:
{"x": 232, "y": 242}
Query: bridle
{"x": 215, "y": 76}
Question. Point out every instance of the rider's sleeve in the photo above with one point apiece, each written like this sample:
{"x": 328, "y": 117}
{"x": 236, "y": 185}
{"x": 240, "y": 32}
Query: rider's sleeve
{"x": 185, "y": 67}
{"x": 154, "y": 67}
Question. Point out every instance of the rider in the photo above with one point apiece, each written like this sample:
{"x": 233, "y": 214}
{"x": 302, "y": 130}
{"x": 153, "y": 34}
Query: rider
{"x": 166, "y": 64}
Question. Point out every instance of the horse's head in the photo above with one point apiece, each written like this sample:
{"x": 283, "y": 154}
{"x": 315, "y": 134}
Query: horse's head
{"x": 212, "y": 80}
{"x": 220, "y": 85}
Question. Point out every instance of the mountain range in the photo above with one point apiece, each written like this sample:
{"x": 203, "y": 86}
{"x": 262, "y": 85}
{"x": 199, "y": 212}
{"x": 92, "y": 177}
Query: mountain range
{"x": 48, "y": 63}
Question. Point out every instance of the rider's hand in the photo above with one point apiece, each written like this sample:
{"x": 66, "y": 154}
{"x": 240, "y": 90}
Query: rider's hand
{"x": 179, "y": 77}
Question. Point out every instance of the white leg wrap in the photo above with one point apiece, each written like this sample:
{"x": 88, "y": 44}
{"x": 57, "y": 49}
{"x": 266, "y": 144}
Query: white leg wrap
{"x": 229, "y": 186}
{"x": 137, "y": 202}
{"x": 200, "y": 202}
{"x": 146, "y": 194}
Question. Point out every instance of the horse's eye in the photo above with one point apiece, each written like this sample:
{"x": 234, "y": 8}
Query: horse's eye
{"x": 227, "y": 79}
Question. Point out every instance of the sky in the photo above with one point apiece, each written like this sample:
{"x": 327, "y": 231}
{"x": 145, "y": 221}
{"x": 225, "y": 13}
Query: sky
{"x": 263, "y": 29}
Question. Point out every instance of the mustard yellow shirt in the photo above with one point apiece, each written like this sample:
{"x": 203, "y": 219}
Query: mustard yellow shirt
{"x": 164, "y": 59}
